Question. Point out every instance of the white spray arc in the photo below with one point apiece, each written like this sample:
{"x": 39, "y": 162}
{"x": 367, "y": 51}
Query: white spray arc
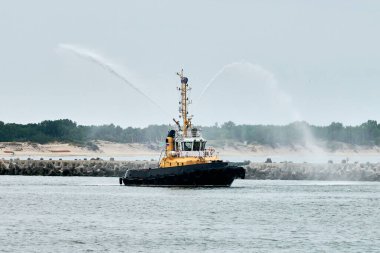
{"x": 212, "y": 80}
{"x": 105, "y": 64}
{"x": 254, "y": 69}
{"x": 280, "y": 95}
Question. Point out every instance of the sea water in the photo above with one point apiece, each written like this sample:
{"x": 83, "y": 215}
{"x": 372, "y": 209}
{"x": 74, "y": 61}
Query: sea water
{"x": 85, "y": 214}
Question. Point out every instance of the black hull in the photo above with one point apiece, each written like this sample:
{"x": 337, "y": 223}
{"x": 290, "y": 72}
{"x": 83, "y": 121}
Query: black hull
{"x": 211, "y": 174}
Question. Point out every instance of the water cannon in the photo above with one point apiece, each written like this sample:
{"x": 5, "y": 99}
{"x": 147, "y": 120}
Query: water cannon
{"x": 184, "y": 80}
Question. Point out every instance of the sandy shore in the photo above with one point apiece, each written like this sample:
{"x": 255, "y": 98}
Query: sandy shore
{"x": 109, "y": 149}
{"x": 65, "y": 149}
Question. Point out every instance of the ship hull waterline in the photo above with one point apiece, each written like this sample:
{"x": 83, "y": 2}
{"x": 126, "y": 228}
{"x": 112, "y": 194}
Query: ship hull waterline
{"x": 197, "y": 175}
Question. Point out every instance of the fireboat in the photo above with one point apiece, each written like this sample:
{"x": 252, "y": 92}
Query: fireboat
{"x": 186, "y": 160}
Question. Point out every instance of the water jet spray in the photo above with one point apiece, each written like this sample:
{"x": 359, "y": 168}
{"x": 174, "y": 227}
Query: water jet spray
{"x": 107, "y": 65}
{"x": 270, "y": 80}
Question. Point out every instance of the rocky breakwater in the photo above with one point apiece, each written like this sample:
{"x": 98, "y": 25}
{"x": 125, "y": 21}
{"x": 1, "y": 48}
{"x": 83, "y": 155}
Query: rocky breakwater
{"x": 98, "y": 168}
{"x": 266, "y": 171}
{"x": 307, "y": 171}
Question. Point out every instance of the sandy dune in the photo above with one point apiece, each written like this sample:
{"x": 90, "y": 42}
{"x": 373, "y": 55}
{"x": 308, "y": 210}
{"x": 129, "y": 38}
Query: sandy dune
{"x": 136, "y": 149}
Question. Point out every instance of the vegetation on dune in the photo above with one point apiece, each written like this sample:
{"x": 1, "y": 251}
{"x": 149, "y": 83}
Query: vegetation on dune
{"x": 367, "y": 133}
{"x": 65, "y": 130}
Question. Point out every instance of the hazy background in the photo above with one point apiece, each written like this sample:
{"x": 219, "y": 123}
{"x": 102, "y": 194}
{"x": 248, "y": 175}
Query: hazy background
{"x": 288, "y": 60}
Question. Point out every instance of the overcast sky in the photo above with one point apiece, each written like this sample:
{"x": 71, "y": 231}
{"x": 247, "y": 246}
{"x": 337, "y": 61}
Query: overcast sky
{"x": 272, "y": 62}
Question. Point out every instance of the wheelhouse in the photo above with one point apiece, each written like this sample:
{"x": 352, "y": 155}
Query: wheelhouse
{"x": 190, "y": 144}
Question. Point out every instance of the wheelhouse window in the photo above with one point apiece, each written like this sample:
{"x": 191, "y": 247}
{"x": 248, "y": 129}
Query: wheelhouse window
{"x": 197, "y": 145}
{"x": 187, "y": 146}
{"x": 203, "y": 145}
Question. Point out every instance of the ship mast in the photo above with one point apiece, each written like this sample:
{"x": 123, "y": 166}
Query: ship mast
{"x": 184, "y": 103}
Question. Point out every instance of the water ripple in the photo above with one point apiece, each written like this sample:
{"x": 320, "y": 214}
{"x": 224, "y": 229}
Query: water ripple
{"x": 54, "y": 214}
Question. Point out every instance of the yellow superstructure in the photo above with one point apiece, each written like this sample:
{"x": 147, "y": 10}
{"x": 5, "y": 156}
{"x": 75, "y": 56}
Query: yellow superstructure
{"x": 185, "y": 146}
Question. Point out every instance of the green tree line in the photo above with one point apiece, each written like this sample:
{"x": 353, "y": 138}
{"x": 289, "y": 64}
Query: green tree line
{"x": 65, "y": 130}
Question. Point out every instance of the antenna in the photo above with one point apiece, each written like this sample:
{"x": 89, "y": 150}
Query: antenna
{"x": 180, "y": 74}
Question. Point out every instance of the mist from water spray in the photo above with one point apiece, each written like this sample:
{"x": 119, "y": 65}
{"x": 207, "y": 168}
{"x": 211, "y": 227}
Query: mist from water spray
{"x": 282, "y": 96}
{"x": 107, "y": 65}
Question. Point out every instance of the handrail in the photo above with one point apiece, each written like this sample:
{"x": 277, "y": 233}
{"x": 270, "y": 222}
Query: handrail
{"x": 159, "y": 159}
